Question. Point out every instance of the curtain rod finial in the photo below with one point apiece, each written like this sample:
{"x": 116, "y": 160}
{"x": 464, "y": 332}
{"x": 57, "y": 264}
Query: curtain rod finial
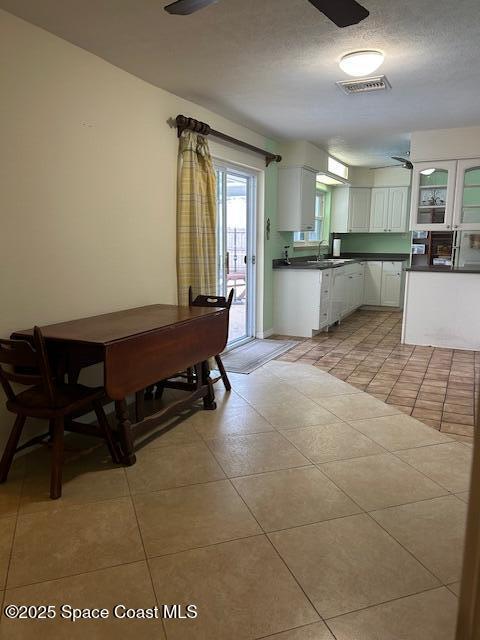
{"x": 272, "y": 158}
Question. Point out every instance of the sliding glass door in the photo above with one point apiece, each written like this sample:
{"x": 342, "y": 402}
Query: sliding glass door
{"x": 236, "y": 198}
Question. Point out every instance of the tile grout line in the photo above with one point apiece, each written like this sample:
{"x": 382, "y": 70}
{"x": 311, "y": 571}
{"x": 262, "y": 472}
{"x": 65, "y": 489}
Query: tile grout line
{"x": 373, "y": 606}
{"x": 303, "y": 626}
{"x": 12, "y": 544}
{"x": 147, "y": 563}
{"x": 410, "y": 553}
{"x": 439, "y": 444}
{"x": 73, "y": 575}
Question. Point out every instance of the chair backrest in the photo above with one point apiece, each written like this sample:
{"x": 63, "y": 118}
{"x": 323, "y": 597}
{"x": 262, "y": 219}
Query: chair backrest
{"x": 24, "y": 363}
{"x": 210, "y": 301}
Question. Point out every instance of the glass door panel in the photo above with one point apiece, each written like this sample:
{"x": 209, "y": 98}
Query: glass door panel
{"x": 468, "y": 210}
{"x": 433, "y": 189}
{"x": 236, "y": 276}
{"x": 432, "y": 196}
{"x": 235, "y": 240}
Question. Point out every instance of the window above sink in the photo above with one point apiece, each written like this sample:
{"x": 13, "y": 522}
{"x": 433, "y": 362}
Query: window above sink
{"x": 312, "y": 238}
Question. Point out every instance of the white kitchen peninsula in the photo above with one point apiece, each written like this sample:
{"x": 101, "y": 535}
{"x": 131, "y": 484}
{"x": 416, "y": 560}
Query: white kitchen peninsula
{"x": 442, "y": 308}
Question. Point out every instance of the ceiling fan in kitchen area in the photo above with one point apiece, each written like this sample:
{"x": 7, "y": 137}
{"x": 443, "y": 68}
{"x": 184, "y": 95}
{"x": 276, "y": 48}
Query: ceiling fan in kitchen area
{"x": 343, "y": 13}
{"x": 404, "y": 163}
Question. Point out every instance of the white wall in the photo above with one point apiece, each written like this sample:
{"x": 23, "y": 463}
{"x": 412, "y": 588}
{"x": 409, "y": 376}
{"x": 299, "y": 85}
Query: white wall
{"x": 445, "y": 144}
{"x": 387, "y": 177}
{"x": 392, "y": 177}
{"x": 88, "y": 182}
{"x": 303, "y": 153}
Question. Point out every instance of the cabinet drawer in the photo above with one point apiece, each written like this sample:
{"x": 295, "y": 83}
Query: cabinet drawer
{"x": 326, "y": 282}
{"x": 390, "y": 266}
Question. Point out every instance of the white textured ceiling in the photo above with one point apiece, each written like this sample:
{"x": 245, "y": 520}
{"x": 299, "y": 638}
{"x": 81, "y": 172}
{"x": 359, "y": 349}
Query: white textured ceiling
{"x": 272, "y": 64}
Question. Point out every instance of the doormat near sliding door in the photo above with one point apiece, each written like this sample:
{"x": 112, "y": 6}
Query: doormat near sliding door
{"x": 254, "y": 354}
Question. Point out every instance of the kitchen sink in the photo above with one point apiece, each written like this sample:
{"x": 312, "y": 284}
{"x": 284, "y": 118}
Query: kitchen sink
{"x": 331, "y": 261}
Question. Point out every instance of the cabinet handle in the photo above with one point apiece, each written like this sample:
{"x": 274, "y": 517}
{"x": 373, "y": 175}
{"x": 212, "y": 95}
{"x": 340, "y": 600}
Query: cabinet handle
{"x": 448, "y": 226}
{"x": 455, "y": 226}
{"x": 385, "y": 230}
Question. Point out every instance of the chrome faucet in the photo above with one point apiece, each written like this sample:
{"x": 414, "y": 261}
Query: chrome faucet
{"x": 320, "y": 253}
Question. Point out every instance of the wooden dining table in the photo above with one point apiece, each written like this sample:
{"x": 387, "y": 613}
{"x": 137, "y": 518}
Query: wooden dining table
{"x": 138, "y": 348}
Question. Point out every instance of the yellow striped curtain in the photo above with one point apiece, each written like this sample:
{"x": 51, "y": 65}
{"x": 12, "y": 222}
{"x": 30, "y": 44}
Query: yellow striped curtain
{"x": 196, "y": 218}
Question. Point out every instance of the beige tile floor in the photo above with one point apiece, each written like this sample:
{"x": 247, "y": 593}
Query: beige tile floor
{"x": 302, "y": 509}
{"x": 440, "y": 387}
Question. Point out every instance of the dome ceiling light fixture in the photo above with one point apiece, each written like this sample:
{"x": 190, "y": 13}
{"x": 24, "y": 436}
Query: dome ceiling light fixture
{"x": 427, "y": 172}
{"x": 361, "y": 63}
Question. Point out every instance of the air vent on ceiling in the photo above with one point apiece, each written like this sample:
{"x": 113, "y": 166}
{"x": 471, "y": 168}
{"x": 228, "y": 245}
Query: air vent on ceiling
{"x": 365, "y": 85}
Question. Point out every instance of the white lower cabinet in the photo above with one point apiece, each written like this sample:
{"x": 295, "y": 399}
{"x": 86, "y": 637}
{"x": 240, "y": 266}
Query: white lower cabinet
{"x": 391, "y": 284}
{"x": 338, "y": 297}
{"x": 301, "y": 300}
{"x": 383, "y": 284}
{"x": 307, "y": 301}
{"x": 373, "y": 283}
{"x": 325, "y": 291}
{"x": 354, "y": 274}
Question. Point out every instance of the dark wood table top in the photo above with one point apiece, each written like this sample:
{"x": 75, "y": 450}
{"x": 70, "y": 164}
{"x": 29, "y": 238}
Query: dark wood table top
{"x": 121, "y": 325}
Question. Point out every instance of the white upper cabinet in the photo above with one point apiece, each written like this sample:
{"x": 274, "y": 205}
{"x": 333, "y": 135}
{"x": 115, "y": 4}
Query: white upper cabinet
{"x": 467, "y": 196}
{"x": 398, "y": 209}
{"x": 296, "y": 199}
{"x": 359, "y": 221}
{"x": 433, "y": 195}
{"x": 389, "y": 209}
{"x": 379, "y": 210}
{"x": 351, "y": 210}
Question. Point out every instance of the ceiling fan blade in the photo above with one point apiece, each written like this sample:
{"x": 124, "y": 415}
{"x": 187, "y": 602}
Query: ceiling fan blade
{"x": 404, "y": 161}
{"x": 186, "y": 7}
{"x": 342, "y": 12}
{"x": 385, "y": 166}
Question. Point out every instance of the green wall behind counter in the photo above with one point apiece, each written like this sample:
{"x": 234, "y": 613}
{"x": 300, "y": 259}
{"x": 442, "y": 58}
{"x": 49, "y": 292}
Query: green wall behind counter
{"x": 376, "y": 242}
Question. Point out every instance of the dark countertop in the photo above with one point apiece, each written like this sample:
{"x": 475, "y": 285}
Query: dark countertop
{"x": 301, "y": 263}
{"x": 440, "y": 269}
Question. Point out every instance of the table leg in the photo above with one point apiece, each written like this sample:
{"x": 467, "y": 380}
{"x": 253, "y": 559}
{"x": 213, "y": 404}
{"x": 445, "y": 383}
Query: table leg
{"x": 73, "y": 374}
{"x": 125, "y": 432}
{"x": 139, "y": 406}
{"x": 209, "y": 400}
{"x": 149, "y": 392}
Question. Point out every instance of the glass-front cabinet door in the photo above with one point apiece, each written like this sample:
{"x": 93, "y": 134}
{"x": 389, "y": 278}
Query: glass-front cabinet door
{"x": 433, "y": 194}
{"x": 467, "y": 196}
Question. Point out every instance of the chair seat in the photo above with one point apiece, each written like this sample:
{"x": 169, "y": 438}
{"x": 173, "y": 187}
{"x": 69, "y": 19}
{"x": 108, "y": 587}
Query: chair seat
{"x": 68, "y": 398}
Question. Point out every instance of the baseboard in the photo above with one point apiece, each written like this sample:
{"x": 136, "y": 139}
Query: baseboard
{"x": 265, "y": 334}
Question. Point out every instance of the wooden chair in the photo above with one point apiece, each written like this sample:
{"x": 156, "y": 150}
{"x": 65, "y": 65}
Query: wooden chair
{"x": 200, "y": 301}
{"x": 26, "y": 364}
{"x": 223, "y": 303}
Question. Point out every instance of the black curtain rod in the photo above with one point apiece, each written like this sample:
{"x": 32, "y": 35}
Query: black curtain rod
{"x": 191, "y": 124}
